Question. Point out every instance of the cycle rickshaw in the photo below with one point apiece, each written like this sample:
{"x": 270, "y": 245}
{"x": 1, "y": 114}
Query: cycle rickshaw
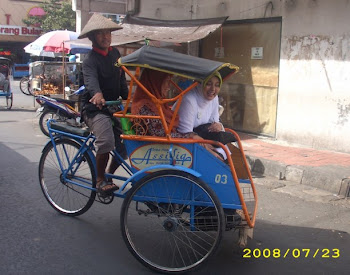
{"x": 177, "y": 197}
{"x": 5, "y": 69}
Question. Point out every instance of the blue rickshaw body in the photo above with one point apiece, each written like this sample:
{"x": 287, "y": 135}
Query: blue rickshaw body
{"x": 189, "y": 157}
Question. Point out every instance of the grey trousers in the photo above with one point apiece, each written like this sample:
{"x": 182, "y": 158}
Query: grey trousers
{"x": 107, "y": 131}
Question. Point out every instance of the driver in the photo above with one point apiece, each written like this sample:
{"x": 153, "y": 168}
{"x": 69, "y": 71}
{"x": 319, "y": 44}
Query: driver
{"x": 104, "y": 82}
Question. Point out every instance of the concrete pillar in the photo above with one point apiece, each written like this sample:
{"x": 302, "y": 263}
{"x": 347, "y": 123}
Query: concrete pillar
{"x": 85, "y": 8}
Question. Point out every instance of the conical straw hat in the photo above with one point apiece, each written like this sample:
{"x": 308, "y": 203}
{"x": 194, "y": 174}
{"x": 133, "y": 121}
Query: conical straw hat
{"x": 98, "y": 22}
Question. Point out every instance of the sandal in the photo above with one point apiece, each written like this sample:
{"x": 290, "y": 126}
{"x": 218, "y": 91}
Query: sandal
{"x": 106, "y": 188}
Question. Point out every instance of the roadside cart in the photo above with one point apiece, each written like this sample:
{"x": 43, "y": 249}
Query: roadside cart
{"x": 50, "y": 78}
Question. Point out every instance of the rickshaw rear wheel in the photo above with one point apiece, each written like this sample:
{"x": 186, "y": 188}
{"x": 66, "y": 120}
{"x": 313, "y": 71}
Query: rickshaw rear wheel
{"x": 171, "y": 221}
{"x": 9, "y": 100}
{"x": 67, "y": 198}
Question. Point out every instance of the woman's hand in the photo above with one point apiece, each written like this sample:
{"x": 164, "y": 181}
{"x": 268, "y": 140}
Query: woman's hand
{"x": 98, "y": 100}
{"x": 216, "y": 127}
{"x": 195, "y": 136}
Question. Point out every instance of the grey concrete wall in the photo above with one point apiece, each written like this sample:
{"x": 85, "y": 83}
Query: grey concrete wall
{"x": 85, "y": 8}
{"x": 196, "y": 9}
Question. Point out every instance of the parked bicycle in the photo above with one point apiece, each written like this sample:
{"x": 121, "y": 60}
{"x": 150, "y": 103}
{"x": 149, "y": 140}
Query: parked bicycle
{"x": 24, "y": 86}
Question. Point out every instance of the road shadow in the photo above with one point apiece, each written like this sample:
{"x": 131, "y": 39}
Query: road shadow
{"x": 275, "y": 249}
{"x": 283, "y": 249}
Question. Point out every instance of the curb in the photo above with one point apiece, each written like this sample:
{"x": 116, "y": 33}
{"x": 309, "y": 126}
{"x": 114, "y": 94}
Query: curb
{"x": 334, "y": 179}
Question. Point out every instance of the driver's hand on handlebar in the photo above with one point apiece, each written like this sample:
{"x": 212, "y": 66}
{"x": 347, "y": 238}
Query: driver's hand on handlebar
{"x": 98, "y": 100}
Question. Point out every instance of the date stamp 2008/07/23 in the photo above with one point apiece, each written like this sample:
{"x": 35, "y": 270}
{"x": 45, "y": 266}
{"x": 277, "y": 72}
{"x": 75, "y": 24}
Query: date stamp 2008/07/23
{"x": 294, "y": 253}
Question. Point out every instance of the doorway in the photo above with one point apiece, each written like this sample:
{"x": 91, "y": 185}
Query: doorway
{"x": 250, "y": 96}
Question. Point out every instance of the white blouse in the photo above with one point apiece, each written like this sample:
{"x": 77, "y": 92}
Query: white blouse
{"x": 196, "y": 110}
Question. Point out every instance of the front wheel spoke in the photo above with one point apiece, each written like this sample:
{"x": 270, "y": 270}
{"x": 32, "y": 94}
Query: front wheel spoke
{"x": 76, "y": 196}
{"x": 175, "y": 241}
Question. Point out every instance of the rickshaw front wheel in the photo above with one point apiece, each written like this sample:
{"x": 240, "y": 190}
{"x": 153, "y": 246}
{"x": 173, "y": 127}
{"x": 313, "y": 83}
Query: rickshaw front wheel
{"x": 171, "y": 221}
{"x": 70, "y": 195}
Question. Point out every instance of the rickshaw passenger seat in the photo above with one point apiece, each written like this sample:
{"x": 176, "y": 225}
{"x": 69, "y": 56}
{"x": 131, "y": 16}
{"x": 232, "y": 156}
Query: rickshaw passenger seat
{"x": 4, "y": 70}
{"x": 70, "y": 129}
{"x": 238, "y": 162}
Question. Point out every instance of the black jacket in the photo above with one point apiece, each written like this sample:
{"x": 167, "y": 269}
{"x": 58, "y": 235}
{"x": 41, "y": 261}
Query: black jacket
{"x": 101, "y": 74}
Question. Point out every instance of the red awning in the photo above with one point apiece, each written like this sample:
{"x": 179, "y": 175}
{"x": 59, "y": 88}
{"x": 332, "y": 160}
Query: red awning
{"x": 36, "y": 11}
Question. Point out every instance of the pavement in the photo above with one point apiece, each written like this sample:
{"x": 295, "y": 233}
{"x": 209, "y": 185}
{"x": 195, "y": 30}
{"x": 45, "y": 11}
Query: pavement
{"x": 325, "y": 170}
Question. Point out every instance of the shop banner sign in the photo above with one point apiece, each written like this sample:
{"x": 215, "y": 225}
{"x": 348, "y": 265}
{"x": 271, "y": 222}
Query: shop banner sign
{"x": 19, "y": 30}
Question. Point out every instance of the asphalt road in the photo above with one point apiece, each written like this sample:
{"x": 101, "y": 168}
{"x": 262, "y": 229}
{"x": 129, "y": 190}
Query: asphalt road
{"x": 294, "y": 233}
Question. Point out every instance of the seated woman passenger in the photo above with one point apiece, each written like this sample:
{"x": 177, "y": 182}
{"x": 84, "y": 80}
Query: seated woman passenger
{"x": 157, "y": 83}
{"x": 200, "y": 107}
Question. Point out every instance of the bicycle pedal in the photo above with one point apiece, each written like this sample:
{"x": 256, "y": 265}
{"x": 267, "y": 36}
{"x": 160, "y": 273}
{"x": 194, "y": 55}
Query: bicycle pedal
{"x": 105, "y": 198}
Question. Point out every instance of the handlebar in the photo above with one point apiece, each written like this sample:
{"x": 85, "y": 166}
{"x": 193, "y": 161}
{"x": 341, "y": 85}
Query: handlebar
{"x": 113, "y": 102}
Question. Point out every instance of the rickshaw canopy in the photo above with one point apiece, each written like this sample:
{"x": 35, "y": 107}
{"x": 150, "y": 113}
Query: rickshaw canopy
{"x": 166, "y": 60}
{"x": 5, "y": 60}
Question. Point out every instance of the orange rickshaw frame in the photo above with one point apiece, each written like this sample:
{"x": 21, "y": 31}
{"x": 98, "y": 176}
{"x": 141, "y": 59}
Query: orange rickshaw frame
{"x": 226, "y": 71}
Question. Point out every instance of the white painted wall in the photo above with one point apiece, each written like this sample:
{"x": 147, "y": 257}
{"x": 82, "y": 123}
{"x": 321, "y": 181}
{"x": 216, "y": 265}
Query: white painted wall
{"x": 314, "y": 93}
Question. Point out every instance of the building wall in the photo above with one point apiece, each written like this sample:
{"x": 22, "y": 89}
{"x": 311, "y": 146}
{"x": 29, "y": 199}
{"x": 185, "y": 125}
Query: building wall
{"x": 16, "y": 11}
{"x": 85, "y": 8}
{"x": 14, "y": 34}
{"x": 314, "y": 96}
